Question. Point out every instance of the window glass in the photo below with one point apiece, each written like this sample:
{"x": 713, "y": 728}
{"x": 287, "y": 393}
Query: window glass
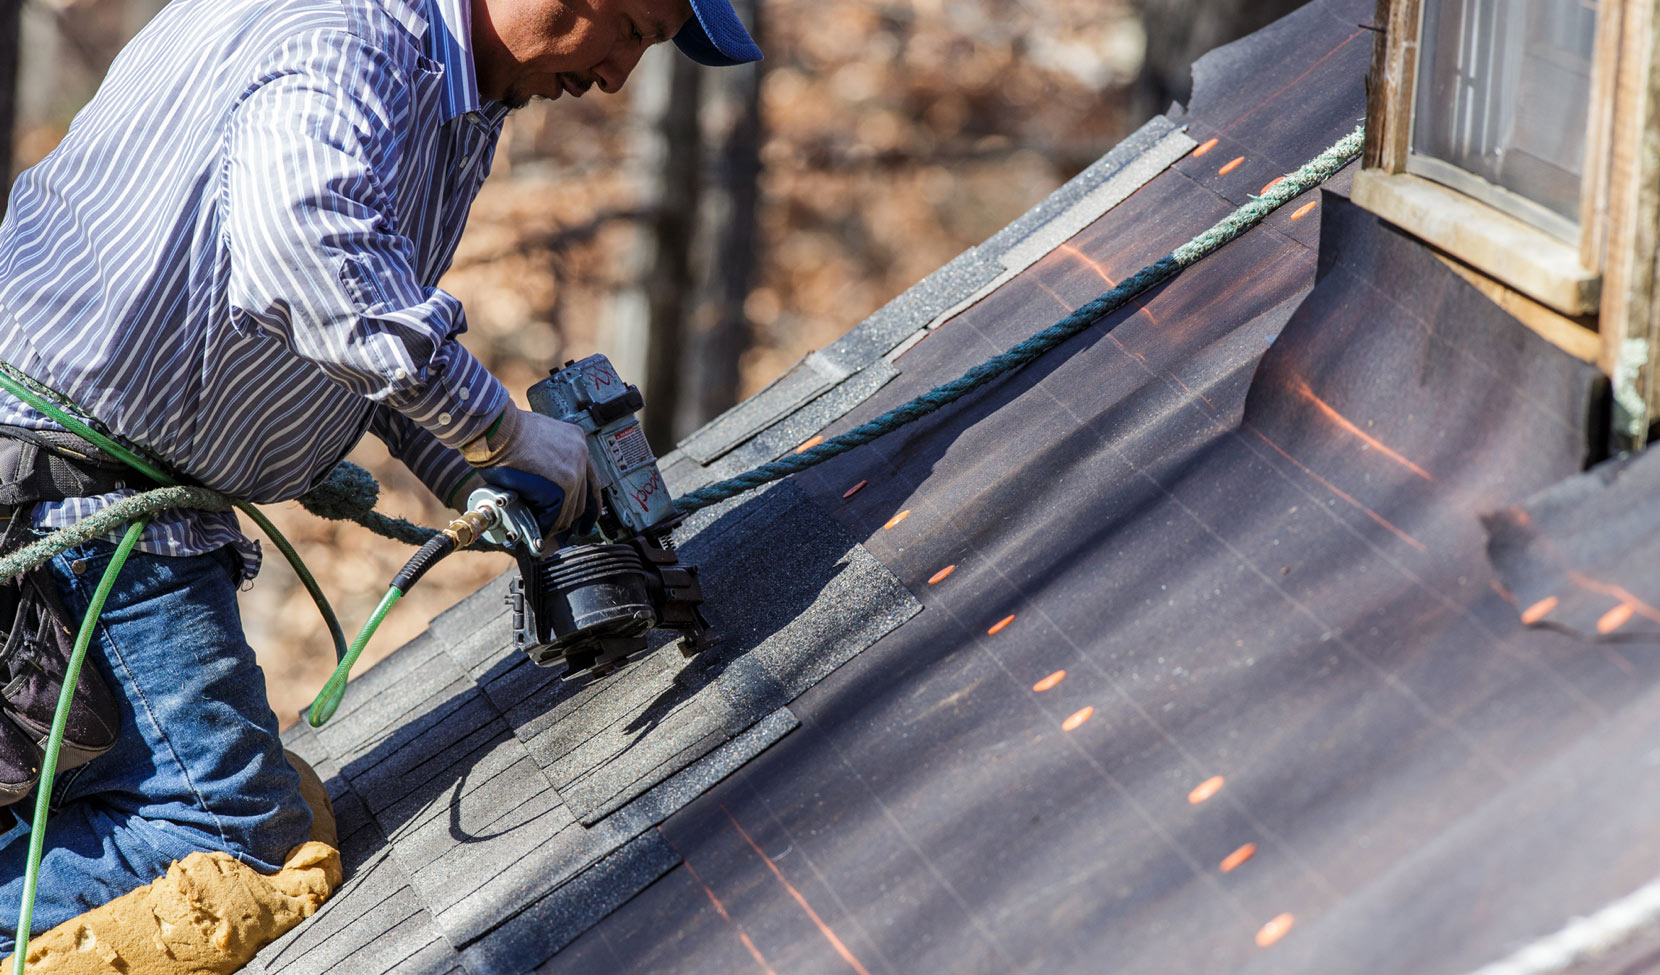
{"x": 1503, "y": 99}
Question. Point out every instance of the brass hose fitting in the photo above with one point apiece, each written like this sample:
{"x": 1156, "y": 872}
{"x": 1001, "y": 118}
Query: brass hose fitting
{"x": 468, "y": 527}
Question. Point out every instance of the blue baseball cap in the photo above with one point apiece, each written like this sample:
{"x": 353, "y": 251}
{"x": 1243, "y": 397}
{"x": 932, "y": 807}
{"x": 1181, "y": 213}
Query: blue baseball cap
{"x": 715, "y": 36}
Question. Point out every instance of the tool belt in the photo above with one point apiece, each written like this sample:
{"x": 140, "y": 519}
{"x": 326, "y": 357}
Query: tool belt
{"x": 37, "y": 631}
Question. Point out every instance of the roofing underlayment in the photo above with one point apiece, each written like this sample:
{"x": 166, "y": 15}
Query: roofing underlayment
{"x": 1178, "y": 651}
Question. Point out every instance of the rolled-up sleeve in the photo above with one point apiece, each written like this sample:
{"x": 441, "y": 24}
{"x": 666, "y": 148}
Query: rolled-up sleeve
{"x": 318, "y": 259}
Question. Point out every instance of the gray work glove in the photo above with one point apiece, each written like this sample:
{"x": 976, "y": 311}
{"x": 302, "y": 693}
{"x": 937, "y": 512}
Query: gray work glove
{"x": 543, "y": 460}
{"x": 457, "y": 499}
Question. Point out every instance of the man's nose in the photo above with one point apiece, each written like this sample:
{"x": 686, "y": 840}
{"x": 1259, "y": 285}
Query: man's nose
{"x": 617, "y": 66}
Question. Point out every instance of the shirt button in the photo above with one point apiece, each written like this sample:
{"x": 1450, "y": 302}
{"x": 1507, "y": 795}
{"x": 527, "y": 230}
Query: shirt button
{"x": 401, "y": 374}
{"x": 466, "y": 394}
{"x": 443, "y": 419}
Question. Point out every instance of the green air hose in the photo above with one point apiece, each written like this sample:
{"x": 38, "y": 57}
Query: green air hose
{"x": 39, "y": 397}
{"x": 459, "y": 534}
{"x": 334, "y": 689}
{"x": 54, "y": 741}
{"x": 461, "y": 531}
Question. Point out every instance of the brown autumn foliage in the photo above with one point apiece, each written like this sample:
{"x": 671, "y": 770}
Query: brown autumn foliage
{"x": 898, "y": 134}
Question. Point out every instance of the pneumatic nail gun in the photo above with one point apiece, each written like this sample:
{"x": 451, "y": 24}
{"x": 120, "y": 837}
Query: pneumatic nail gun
{"x": 588, "y": 599}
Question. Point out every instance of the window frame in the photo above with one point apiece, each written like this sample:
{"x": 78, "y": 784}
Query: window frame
{"x": 1608, "y": 282}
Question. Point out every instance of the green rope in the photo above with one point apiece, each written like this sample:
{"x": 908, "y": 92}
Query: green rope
{"x": 349, "y": 494}
{"x": 54, "y": 740}
{"x": 108, "y": 521}
{"x": 64, "y": 413}
{"x": 1315, "y": 172}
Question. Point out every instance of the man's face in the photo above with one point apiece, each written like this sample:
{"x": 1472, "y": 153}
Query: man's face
{"x": 528, "y": 48}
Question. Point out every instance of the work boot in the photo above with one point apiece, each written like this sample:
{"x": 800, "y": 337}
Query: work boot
{"x": 323, "y": 827}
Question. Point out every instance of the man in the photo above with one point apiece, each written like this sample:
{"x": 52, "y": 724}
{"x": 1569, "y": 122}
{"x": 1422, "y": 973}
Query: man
{"x": 231, "y": 261}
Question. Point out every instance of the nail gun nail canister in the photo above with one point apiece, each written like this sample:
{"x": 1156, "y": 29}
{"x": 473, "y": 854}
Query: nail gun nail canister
{"x": 591, "y": 395}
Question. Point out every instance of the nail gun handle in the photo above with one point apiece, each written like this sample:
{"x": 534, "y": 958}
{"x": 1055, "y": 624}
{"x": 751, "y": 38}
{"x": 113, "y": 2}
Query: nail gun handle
{"x": 514, "y": 524}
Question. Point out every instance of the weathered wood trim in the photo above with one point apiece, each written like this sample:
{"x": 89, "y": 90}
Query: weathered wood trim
{"x": 1628, "y": 314}
{"x": 1599, "y": 134}
{"x": 1389, "y": 97}
{"x": 1521, "y": 256}
{"x": 1575, "y": 336}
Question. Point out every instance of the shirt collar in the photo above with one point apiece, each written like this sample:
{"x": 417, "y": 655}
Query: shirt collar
{"x": 449, "y": 41}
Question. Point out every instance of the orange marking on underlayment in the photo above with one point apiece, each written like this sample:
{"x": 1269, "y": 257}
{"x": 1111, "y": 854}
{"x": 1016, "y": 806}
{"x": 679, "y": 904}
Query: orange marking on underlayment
{"x": 997, "y": 627}
{"x": 1277, "y": 180}
{"x": 1403, "y": 536}
{"x": 1302, "y": 211}
{"x": 1170, "y": 375}
{"x": 754, "y": 952}
{"x": 1206, "y": 789}
{"x": 1617, "y": 592}
{"x": 1295, "y": 81}
{"x": 1237, "y": 857}
{"x": 1050, "y": 681}
{"x": 939, "y": 576}
{"x": 1189, "y": 390}
{"x": 1539, "y": 610}
{"x": 1274, "y": 930}
{"x": 1302, "y": 388}
{"x": 809, "y": 445}
{"x": 1052, "y": 293}
{"x": 1615, "y": 618}
{"x": 1077, "y": 718}
{"x": 896, "y": 519}
{"x": 1086, "y": 261}
{"x": 1618, "y": 660}
{"x": 1230, "y": 166}
{"x": 1207, "y": 146}
{"x": 818, "y": 922}
{"x": 855, "y": 489}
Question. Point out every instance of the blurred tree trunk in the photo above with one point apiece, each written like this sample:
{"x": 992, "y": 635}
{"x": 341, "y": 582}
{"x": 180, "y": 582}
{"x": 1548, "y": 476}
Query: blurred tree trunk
{"x": 680, "y": 326}
{"x": 668, "y": 149}
{"x": 726, "y": 258}
{"x": 11, "y": 20}
{"x": 1180, "y": 31}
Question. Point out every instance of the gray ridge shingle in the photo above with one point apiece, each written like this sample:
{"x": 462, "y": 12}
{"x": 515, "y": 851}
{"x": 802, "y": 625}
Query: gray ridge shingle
{"x": 475, "y": 770}
{"x": 368, "y": 684}
{"x": 1122, "y": 158}
{"x": 375, "y": 896}
{"x": 791, "y": 431}
{"x": 438, "y": 685}
{"x": 425, "y": 766}
{"x": 535, "y": 934}
{"x": 804, "y": 381}
{"x": 492, "y": 633}
{"x": 602, "y": 787}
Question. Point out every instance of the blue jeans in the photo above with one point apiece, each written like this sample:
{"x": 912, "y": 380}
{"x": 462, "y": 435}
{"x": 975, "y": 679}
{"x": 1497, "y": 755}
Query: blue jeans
{"x": 198, "y": 765}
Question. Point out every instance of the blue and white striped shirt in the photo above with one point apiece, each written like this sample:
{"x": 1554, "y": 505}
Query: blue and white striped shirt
{"x": 232, "y": 258}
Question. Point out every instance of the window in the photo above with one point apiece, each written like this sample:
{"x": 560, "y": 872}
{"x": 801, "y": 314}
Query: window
{"x": 1502, "y": 103}
{"x": 1486, "y": 137}
{"x": 1518, "y": 138}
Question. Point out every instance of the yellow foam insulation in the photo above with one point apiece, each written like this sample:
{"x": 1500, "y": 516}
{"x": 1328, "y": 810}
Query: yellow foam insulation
{"x": 208, "y": 915}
